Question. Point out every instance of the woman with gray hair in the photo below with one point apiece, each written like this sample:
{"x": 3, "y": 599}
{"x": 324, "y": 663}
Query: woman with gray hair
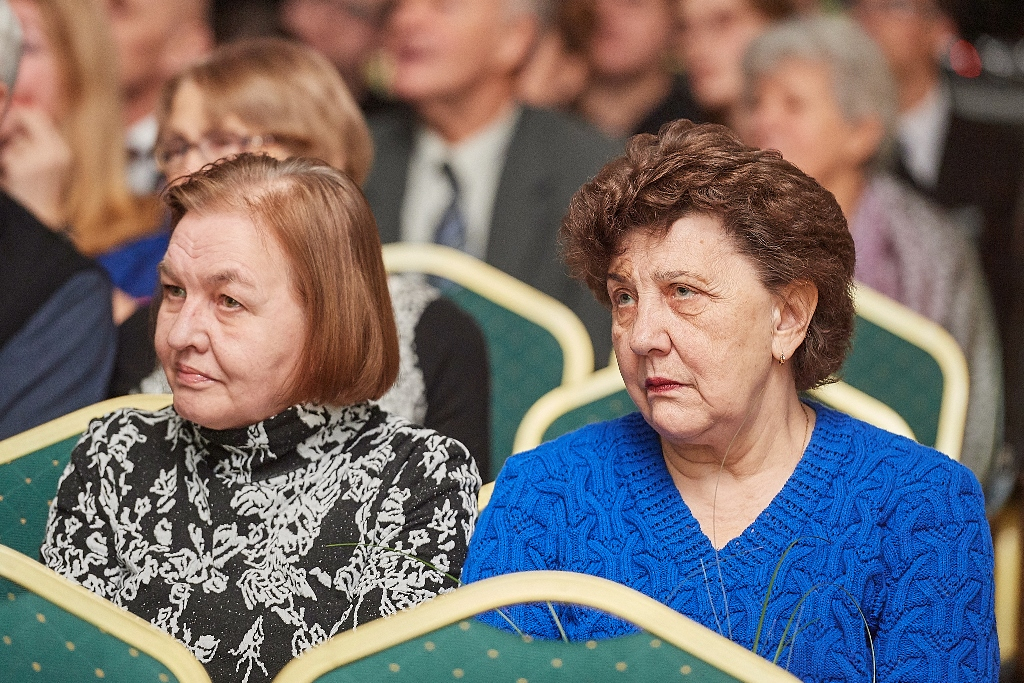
{"x": 819, "y": 91}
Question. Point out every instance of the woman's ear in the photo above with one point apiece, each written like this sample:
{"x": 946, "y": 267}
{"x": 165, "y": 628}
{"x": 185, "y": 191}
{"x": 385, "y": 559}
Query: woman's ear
{"x": 794, "y": 308}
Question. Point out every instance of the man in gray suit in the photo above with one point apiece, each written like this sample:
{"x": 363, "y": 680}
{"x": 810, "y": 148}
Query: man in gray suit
{"x": 468, "y": 167}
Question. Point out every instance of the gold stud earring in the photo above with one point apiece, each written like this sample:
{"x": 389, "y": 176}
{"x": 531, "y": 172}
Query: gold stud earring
{"x": 782, "y": 359}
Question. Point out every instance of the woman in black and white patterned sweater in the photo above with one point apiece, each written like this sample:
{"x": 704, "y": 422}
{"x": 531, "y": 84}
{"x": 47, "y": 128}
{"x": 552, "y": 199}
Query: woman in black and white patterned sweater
{"x": 273, "y": 505}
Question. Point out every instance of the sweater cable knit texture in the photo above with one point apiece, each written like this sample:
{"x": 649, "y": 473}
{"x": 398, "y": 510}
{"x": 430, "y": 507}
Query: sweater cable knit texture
{"x": 879, "y": 524}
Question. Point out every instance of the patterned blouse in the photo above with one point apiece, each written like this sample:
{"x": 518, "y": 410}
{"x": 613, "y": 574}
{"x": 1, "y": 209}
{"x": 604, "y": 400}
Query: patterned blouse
{"x": 251, "y": 545}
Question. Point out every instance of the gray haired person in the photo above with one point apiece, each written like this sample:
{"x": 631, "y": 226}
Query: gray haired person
{"x": 819, "y": 91}
{"x": 10, "y": 49}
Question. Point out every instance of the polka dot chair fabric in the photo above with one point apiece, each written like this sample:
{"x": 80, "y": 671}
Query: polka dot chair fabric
{"x": 473, "y": 651}
{"x": 53, "y": 630}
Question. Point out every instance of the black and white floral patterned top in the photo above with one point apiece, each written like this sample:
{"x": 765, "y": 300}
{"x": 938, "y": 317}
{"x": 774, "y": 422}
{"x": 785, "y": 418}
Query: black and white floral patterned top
{"x": 224, "y": 539}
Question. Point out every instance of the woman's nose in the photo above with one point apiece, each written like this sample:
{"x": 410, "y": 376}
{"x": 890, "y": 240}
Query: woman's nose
{"x": 189, "y": 329}
{"x": 649, "y": 333}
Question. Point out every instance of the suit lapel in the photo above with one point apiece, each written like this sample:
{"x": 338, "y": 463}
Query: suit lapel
{"x": 393, "y": 135}
{"x": 521, "y": 203}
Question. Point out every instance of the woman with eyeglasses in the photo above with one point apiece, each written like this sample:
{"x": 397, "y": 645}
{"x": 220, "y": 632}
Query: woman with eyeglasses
{"x": 283, "y": 99}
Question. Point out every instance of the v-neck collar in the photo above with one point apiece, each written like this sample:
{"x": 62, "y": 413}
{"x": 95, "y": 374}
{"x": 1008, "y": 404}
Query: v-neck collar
{"x": 786, "y": 518}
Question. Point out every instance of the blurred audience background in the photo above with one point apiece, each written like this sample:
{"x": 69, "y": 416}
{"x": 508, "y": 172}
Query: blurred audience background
{"x": 487, "y": 115}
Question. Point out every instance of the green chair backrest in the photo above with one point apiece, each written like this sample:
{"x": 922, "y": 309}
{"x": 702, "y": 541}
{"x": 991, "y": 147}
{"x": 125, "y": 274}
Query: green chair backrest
{"x": 601, "y": 396}
{"x": 55, "y": 631}
{"x": 899, "y": 374}
{"x": 32, "y": 462}
{"x": 439, "y": 641}
{"x": 608, "y": 407}
{"x": 525, "y": 363}
{"x": 534, "y": 342}
{"x": 27, "y": 486}
{"x": 912, "y": 365}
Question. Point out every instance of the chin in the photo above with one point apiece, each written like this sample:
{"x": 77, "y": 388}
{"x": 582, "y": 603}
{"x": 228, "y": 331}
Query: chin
{"x": 205, "y": 413}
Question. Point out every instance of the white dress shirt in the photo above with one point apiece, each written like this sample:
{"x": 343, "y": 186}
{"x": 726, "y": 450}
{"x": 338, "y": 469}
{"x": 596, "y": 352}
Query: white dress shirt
{"x": 477, "y": 163}
{"x": 922, "y": 136}
{"x": 143, "y": 175}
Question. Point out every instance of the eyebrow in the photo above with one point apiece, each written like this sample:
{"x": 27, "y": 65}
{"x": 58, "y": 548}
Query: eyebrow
{"x": 229, "y": 275}
{"x": 660, "y": 276}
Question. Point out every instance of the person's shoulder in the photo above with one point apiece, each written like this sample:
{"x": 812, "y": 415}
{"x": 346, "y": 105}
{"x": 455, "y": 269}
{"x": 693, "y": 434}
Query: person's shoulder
{"x": 921, "y": 221}
{"x": 412, "y": 442}
{"x": 559, "y": 132}
{"x": 391, "y": 120}
{"x": 899, "y": 467}
{"x": 122, "y": 431}
{"x": 589, "y": 446}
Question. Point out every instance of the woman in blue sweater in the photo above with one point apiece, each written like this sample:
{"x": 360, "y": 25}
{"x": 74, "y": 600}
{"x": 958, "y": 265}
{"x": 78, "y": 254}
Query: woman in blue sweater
{"x": 728, "y": 273}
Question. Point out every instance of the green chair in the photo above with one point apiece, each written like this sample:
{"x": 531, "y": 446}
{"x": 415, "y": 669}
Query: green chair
{"x": 32, "y": 462}
{"x": 603, "y": 396}
{"x": 53, "y": 630}
{"x": 912, "y": 365}
{"x": 534, "y": 342}
{"x": 438, "y": 641}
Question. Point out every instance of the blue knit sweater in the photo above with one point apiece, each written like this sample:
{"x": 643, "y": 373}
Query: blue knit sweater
{"x": 876, "y": 522}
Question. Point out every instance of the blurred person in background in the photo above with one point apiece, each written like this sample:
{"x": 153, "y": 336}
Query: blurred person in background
{"x": 346, "y": 32}
{"x": 62, "y": 150}
{"x": 818, "y": 90}
{"x": 632, "y": 88}
{"x": 284, "y": 99}
{"x": 556, "y": 72}
{"x": 713, "y": 36}
{"x": 56, "y": 330}
{"x": 970, "y": 164}
{"x": 155, "y": 40}
{"x": 469, "y": 167}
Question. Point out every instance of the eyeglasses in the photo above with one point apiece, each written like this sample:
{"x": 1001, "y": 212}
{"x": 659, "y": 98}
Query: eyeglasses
{"x": 213, "y": 146}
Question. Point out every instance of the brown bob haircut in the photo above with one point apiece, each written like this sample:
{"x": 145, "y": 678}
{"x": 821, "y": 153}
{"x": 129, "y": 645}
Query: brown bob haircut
{"x": 789, "y": 226}
{"x": 286, "y": 90}
{"x": 322, "y": 221}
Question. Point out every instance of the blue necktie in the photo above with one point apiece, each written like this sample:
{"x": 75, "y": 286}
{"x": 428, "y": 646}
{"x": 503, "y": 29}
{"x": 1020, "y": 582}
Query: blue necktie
{"x": 451, "y": 229}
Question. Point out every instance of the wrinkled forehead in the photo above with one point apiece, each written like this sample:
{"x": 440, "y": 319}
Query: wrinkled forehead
{"x": 693, "y": 242}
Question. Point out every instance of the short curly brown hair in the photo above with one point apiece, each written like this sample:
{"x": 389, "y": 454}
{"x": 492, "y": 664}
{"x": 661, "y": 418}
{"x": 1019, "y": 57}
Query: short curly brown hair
{"x": 790, "y": 227}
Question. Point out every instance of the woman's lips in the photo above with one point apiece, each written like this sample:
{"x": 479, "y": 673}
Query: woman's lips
{"x": 660, "y": 385}
{"x": 190, "y": 376}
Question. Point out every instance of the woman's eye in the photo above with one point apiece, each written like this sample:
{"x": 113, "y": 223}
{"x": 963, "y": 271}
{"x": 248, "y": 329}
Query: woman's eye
{"x": 231, "y": 303}
{"x": 174, "y": 291}
{"x": 683, "y": 291}
{"x": 622, "y": 298}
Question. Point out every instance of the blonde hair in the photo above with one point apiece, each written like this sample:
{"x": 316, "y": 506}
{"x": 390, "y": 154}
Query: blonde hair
{"x": 98, "y": 206}
{"x": 286, "y": 90}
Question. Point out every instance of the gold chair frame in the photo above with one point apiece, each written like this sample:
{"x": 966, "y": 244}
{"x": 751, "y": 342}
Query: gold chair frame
{"x": 535, "y": 586}
{"x": 103, "y": 614}
{"x": 937, "y": 342}
{"x": 504, "y": 290}
{"x": 61, "y": 428}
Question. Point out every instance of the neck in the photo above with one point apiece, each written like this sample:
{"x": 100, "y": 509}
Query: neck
{"x": 140, "y": 104}
{"x": 458, "y": 117}
{"x": 726, "y": 486}
{"x": 847, "y": 189}
{"x": 772, "y": 435}
{"x": 618, "y": 106}
{"x": 915, "y": 85}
